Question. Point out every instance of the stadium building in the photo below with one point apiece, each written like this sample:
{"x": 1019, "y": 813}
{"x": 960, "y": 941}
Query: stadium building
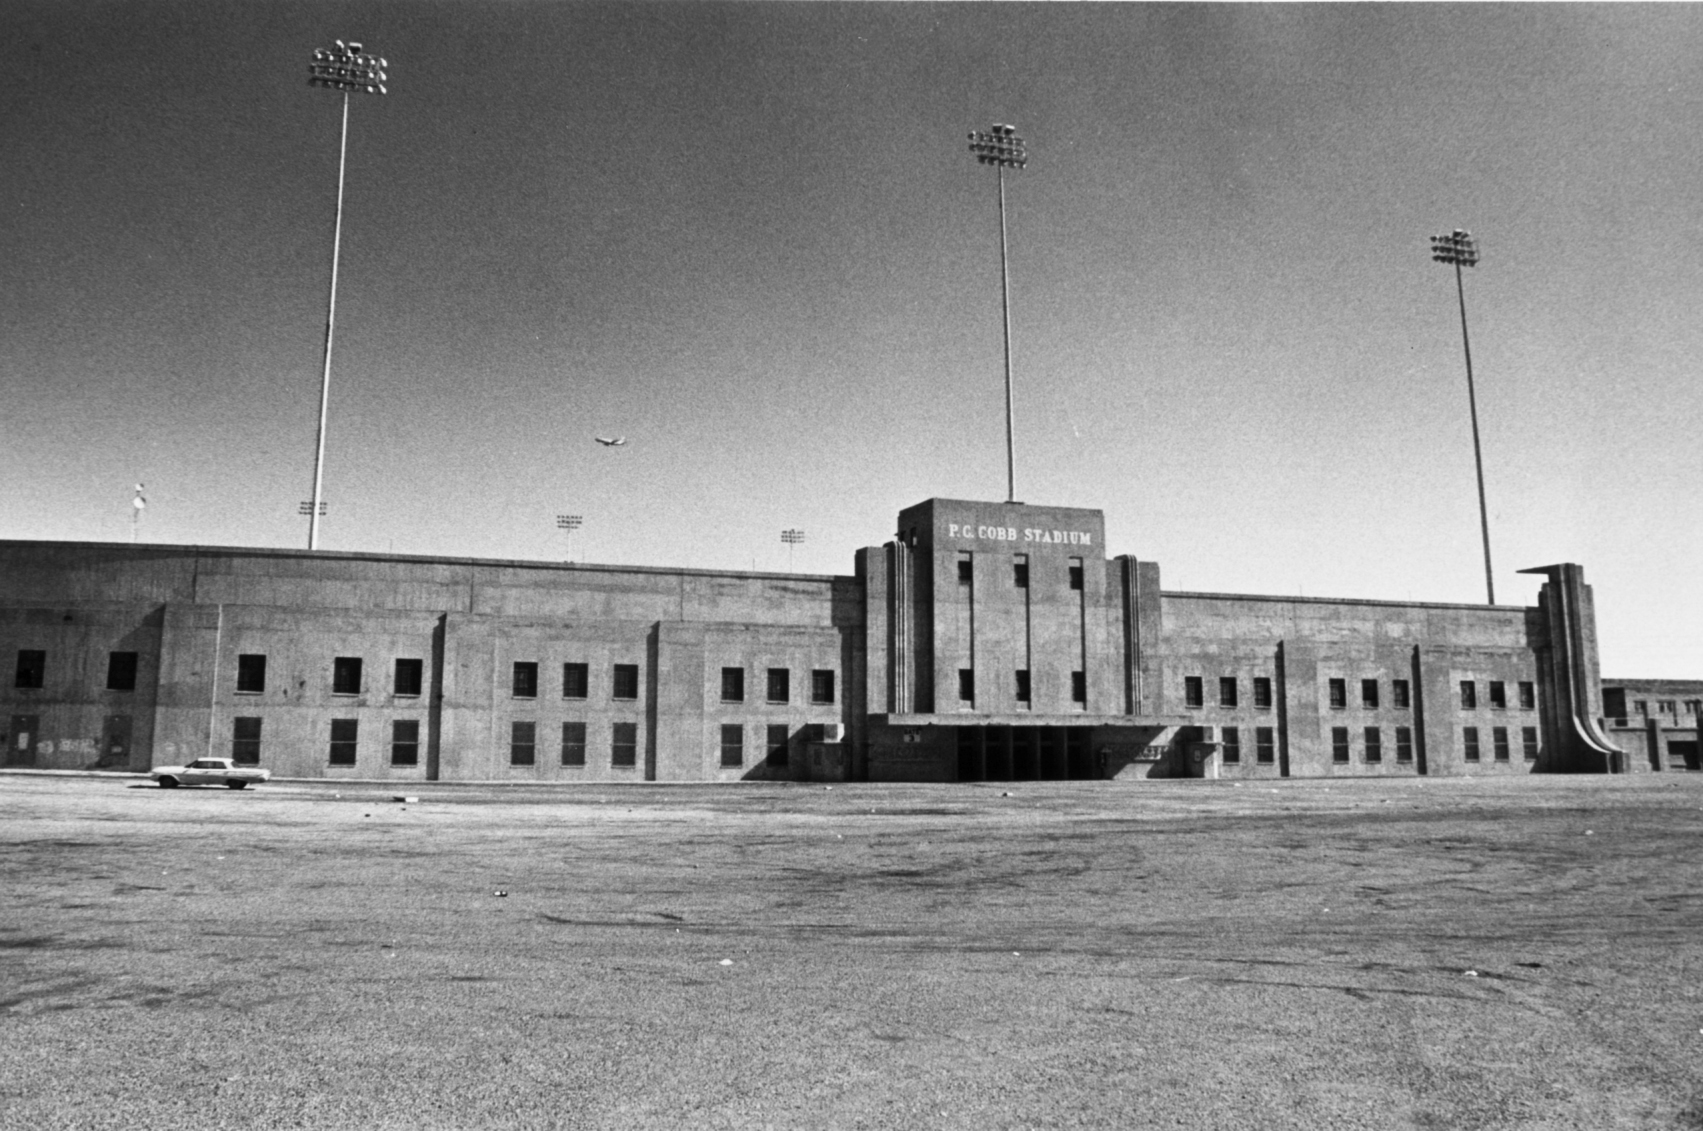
{"x": 984, "y": 642}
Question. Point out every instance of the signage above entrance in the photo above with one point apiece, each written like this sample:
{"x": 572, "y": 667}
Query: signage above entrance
{"x": 984, "y": 532}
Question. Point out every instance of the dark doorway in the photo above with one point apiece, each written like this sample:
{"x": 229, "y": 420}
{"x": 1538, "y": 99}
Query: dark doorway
{"x": 22, "y": 739}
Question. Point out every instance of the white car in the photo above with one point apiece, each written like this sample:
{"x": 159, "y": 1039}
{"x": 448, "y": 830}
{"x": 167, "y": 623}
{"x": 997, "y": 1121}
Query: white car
{"x": 209, "y": 771}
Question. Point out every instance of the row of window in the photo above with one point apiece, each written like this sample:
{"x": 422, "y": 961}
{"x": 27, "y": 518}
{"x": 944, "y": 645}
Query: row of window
{"x": 779, "y": 688}
{"x": 1371, "y": 693}
{"x": 1019, "y": 572}
{"x": 1372, "y": 749}
{"x": 32, "y": 670}
{"x": 1265, "y": 745}
{"x": 1229, "y": 691}
{"x": 1020, "y": 686}
{"x": 1667, "y": 707}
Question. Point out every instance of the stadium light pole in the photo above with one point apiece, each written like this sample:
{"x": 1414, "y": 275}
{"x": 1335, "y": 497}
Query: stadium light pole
{"x": 346, "y": 68}
{"x": 1003, "y": 149}
{"x": 791, "y": 538}
{"x": 1459, "y": 249}
{"x": 568, "y": 523}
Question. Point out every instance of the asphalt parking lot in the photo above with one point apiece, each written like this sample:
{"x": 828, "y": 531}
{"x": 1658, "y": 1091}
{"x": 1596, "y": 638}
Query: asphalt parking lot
{"x": 1466, "y": 953}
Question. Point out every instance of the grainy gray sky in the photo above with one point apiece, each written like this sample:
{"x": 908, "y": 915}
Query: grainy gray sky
{"x": 750, "y": 238}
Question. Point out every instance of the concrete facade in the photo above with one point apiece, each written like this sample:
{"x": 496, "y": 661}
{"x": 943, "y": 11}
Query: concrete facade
{"x": 1655, "y": 721}
{"x": 986, "y": 641}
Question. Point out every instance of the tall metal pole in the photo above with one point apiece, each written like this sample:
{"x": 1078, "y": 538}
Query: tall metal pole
{"x": 330, "y": 334}
{"x": 1461, "y": 250}
{"x": 1003, "y": 149}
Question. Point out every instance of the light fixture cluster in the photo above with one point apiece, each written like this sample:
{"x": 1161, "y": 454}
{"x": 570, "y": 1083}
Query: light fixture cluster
{"x": 792, "y": 537}
{"x": 999, "y": 146}
{"x": 1458, "y": 248}
{"x": 568, "y": 522}
{"x": 346, "y": 67}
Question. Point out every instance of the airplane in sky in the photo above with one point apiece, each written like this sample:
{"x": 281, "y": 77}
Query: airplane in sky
{"x": 610, "y": 443}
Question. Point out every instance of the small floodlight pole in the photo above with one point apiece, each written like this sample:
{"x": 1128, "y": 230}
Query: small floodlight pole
{"x": 568, "y": 523}
{"x": 346, "y": 68}
{"x": 792, "y": 538}
{"x": 1461, "y": 250}
{"x": 1003, "y": 149}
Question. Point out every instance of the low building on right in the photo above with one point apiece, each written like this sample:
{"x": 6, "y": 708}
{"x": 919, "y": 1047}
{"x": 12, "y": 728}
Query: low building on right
{"x": 1655, "y": 720}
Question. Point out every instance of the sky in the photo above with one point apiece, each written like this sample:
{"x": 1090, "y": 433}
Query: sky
{"x": 751, "y": 239}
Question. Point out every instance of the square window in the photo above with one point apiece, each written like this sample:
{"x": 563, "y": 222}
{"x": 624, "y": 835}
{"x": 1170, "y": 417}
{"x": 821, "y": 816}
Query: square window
{"x": 1232, "y": 746}
{"x": 732, "y": 744}
{"x": 523, "y": 743}
{"x": 525, "y": 679}
{"x": 624, "y": 745}
{"x": 1022, "y": 686}
{"x": 778, "y": 744}
{"x": 815, "y": 732}
{"x": 121, "y": 671}
{"x": 1369, "y": 694}
{"x": 780, "y": 685}
{"x": 1498, "y": 694}
{"x": 966, "y": 572}
{"x": 1020, "y": 572}
{"x": 1528, "y": 739}
{"x": 1664, "y": 707}
{"x": 576, "y": 681}
{"x": 1400, "y": 698}
{"x": 410, "y": 676}
{"x": 346, "y": 675}
{"x": 405, "y": 742}
{"x": 1339, "y": 695}
{"x": 1499, "y": 743}
{"x": 966, "y": 685}
{"x": 733, "y": 685}
{"x": 1339, "y": 744}
{"x": 821, "y": 686}
{"x": 343, "y": 740}
{"x": 1076, "y": 573}
{"x": 1194, "y": 691}
{"x": 573, "y": 744}
{"x": 251, "y": 673}
{"x": 1469, "y": 695}
{"x": 245, "y": 741}
{"x": 1469, "y": 743}
{"x": 1528, "y": 695}
{"x": 1404, "y": 744}
{"x": 1227, "y": 691}
{"x": 1262, "y": 693}
{"x": 1265, "y": 746}
{"x": 1374, "y": 745}
{"x": 1079, "y": 687}
{"x": 32, "y": 668}
{"x": 626, "y": 681}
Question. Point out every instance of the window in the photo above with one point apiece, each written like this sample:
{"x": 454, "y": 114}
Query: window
{"x": 780, "y": 685}
{"x": 32, "y": 668}
{"x": 1232, "y": 746}
{"x": 346, "y": 675}
{"x": 1079, "y": 687}
{"x": 245, "y": 741}
{"x": 251, "y": 674}
{"x": 821, "y": 686}
{"x": 525, "y": 679}
{"x": 733, "y": 685}
{"x": 1339, "y": 744}
{"x": 624, "y": 745}
{"x": 1528, "y": 695}
{"x": 1194, "y": 691}
{"x": 410, "y": 676}
{"x": 1640, "y": 708}
{"x": 815, "y": 732}
{"x": 576, "y": 681}
{"x": 343, "y": 733}
{"x": 1469, "y": 743}
{"x": 1374, "y": 744}
{"x": 121, "y": 671}
{"x": 1400, "y": 698}
{"x": 1498, "y": 694}
{"x": 966, "y": 572}
{"x": 573, "y": 744}
{"x": 523, "y": 743}
{"x": 1664, "y": 706}
{"x": 1227, "y": 691}
{"x": 1528, "y": 739}
{"x": 779, "y": 746}
{"x": 1404, "y": 744}
{"x": 732, "y": 744}
{"x": 1265, "y": 747}
{"x": 1262, "y": 693}
{"x": 966, "y": 685}
{"x": 1369, "y": 694}
{"x": 405, "y": 742}
{"x": 1692, "y": 706}
{"x": 1020, "y": 571}
{"x": 1469, "y": 695}
{"x": 1499, "y": 743}
{"x": 626, "y": 681}
{"x": 1338, "y": 695}
{"x": 1022, "y": 686}
{"x": 1076, "y": 573}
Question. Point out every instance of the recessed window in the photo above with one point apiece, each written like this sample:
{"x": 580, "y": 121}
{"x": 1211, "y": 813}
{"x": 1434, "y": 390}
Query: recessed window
{"x": 1232, "y": 746}
{"x": 410, "y": 676}
{"x": 573, "y": 744}
{"x": 525, "y": 680}
{"x": 624, "y": 745}
{"x": 1374, "y": 744}
{"x": 780, "y": 685}
{"x": 1469, "y": 743}
{"x": 1227, "y": 692}
{"x": 1640, "y": 708}
{"x": 1194, "y": 691}
{"x": 1339, "y": 744}
{"x": 1692, "y": 706}
{"x": 821, "y": 686}
{"x": 1339, "y": 695}
{"x": 1400, "y": 697}
{"x": 733, "y": 685}
{"x": 1265, "y": 746}
{"x": 1369, "y": 694}
{"x": 346, "y": 675}
{"x": 245, "y": 741}
{"x": 815, "y": 732}
{"x": 343, "y": 740}
{"x": 32, "y": 668}
{"x": 1076, "y": 573}
{"x": 576, "y": 681}
{"x": 251, "y": 673}
{"x": 732, "y": 745}
{"x": 1022, "y": 685}
{"x": 1469, "y": 695}
{"x": 1498, "y": 694}
{"x": 966, "y": 572}
{"x": 405, "y": 742}
{"x": 121, "y": 671}
{"x": 966, "y": 685}
{"x": 1262, "y": 693}
{"x": 1404, "y": 744}
{"x": 1499, "y": 743}
{"x": 626, "y": 681}
{"x": 1664, "y": 706}
{"x": 778, "y": 745}
{"x": 523, "y": 743}
{"x": 1079, "y": 688}
{"x": 1528, "y": 696}
{"x": 1020, "y": 572}
{"x": 1528, "y": 740}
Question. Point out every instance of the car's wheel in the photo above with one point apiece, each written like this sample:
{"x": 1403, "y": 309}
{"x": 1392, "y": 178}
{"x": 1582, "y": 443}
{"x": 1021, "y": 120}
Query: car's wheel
{"x": 168, "y": 783}
{"x": 237, "y": 784}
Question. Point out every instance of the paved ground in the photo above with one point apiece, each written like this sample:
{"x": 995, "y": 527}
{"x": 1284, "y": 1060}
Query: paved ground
{"x": 1364, "y": 954}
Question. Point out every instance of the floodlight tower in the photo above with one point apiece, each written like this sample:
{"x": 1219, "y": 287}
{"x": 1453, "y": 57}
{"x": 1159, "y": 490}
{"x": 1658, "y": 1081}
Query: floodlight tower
{"x": 568, "y": 523}
{"x": 792, "y": 538}
{"x": 1459, "y": 249}
{"x": 1003, "y": 149}
{"x": 346, "y": 68}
